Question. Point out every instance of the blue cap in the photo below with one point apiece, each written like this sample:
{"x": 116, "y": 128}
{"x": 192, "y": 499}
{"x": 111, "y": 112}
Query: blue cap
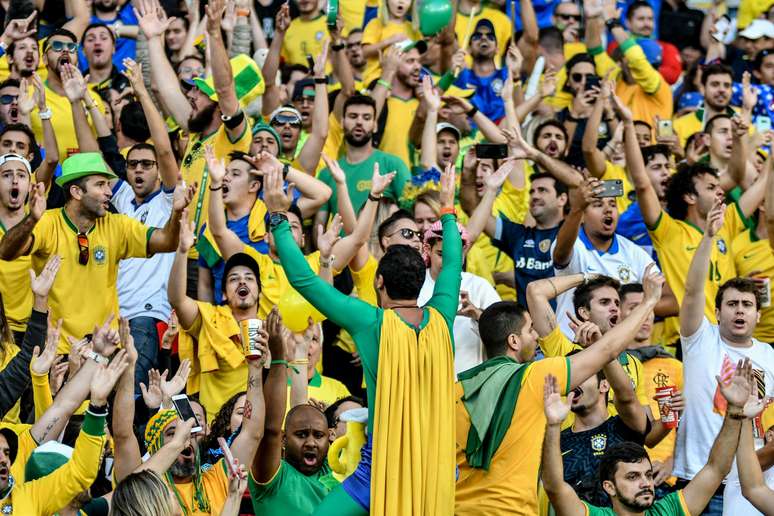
{"x": 652, "y": 51}
{"x": 689, "y": 100}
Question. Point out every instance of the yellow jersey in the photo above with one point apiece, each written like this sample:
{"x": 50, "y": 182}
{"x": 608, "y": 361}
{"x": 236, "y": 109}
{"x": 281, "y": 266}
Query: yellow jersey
{"x": 395, "y": 139}
{"x": 215, "y": 485}
{"x": 274, "y": 281}
{"x": 83, "y": 296}
{"x": 15, "y": 289}
{"x": 377, "y": 31}
{"x": 194, "y": 169}
{"x": 42, "y": 71}
{"x": 675, "y": 242}
{"x": 303, "y": 38}
{"x": 62, "y": 121}
{"x": 322, "y": 388}
{"x": 502, "y": 27}
{"x": 510, "y": 484}
{"x": 753, "y": 254}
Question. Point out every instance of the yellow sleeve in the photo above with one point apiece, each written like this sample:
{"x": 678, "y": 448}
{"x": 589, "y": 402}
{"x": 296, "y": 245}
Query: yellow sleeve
{"x": 43, "y": 235}
{"x": 733, "y": 222}
{"x": 41, "y": 394}
{"x": 364, "y": 281}
{"x": 556, "y": 344}
{"x": 372, "y": 32}
{"x": 635, "y": 373}
{"x": 334, "y": 139}
{"x": 605, "y": 63}
{"x": 556, "y": 366}
{"x": 131, "y": 237}
{"x": 663, "y": 229}
{"x": 642, "y": 72}
{"x": 52, "y": 492}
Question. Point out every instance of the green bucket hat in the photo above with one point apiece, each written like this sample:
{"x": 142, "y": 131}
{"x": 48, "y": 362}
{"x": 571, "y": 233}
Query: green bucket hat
{"x": 84, "y": 164}
{"x": 46, "y": 459}
{"x": 267, "y": 128}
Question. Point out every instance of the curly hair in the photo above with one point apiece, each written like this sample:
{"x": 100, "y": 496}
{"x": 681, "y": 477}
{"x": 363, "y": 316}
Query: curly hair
{"x": 221, "y": 424}
{"x": 681, "y": 184}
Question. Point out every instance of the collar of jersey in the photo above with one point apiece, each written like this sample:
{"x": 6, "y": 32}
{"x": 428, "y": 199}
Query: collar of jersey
{"x": 72, "y": 226}
{"x": 585, "y": 239}
{"x": 147, "y": 199}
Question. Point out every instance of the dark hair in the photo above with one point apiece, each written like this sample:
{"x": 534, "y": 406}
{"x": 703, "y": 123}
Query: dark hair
{"x": 551, "y": 122}
{"x": 745, "y": 285}
{"x": 712, "y": 121}
{"x": 220, "y": 425}
{"x": 359, "y": 100}
{"x": 34, "y": 149}
{"x": 287, "y": 70}
{"x": 80, "y": 183}
{"x": 12, "y": 83}
{"x": 581, "y": 298}
{"x": 142, "y": 146}
{"x": 387, "y": 224}
{"x": 627, "y": 452}
{"x": 643, "y": 122}
{"x": 133, "y": 122}
{"x": 559, "y": 187}
{"x": 330, "y": 412}
{"x": 182, "y": 16}
{"x": 551, "y": 39}
{"x": 97, "y": 25}
{"x": 760, "y": 56}
{"x": 630, "y": 288}
{"x": 637, "y": 4}
{"x": 715, "y": 69}
{"x": 195, "y": 57}
{"x": 581, "y": 57}
{"x": 60, "y": 32}
{"x": 651, "y": 151}
{"x": 497, "y": 322}
{"x": 356, "y": 30}
{"x": 683, "y": 183}
{"x": 403, "y": 270}
{"x": 12, "y": 46}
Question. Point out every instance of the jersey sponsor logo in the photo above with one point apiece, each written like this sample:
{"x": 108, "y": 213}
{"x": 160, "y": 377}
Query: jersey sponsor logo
{"x": 598, "y": 443}
{"x": 544, "y": 245}
{"x": 533, "y": 264}
{"x": 100, "y": 255}
{"x": 363, "y": 185}
{"x": 144, "y": 217}
{"x": 722, "y": 246}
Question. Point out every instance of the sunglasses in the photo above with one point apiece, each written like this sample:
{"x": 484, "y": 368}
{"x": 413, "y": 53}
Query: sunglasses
{"x": 408, "y": 234}
{"x": 145, "y": 164}
{"x": 63, "y": 46}
{"x": 8, "y": 99}
{"x": 83, "y": 249}
{"x": 196, "y": 71}
{"x": 578, "y": 77}
{"x": 282, "y": 119}
{"x": 568, "y": 17}
{"x": 480, "y": 35}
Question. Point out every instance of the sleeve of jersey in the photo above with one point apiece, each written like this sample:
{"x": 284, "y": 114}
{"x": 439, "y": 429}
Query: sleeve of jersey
{"x": 43, "y": 236}
{"x": 663, "y": 229}
{"x": 734, "y": 220}
{"x": 56, "y": 490}
{"x": 556, "y": 344}
{"x": 347, "y": 312}
{"x": 643, "y": 73}
{"x": 373, "y": 32}
{"x": 133, "y": 237}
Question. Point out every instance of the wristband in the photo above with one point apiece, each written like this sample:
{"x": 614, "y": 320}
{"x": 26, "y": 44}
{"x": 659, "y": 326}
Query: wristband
{"x": 325, "y": 263}
{"x": 99, "y": 411}
{"x": 321, "y": 80}
{"x": 276, "y": 218}
{"x": 285, "y": 170}
{"x": 45, "y": 114}
{"x": 375, "y": 198}
{"x": 384, "y": 83}
{"x": 97, "y": 357}
{"x": 279, "y": 362}
{"x": 234, "y": 120}
{"x": 448, "y": 211}
{"x": 612, "y": 23}
{"x": 337, "y": 47}
{"x": 737, "y": 416}
{"x": 215, "y": 189}
{"x": 472, "y": 112}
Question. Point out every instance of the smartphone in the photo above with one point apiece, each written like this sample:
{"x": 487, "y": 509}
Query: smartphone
{"x": 611, "y": 188}
{"x": 185, "y": 411}
{"x": 722, "y": 27}
{"x": 491, "y": 151}
{"x": 665, "y": 128}
{"x": 763, "y": 124}
{"x": 227, "y": 456}
{"x": 592, "y": 82}
{"x": 310, "y": 62}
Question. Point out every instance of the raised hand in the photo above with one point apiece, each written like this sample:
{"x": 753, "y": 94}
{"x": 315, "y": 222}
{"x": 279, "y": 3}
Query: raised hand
{"x": 133, "y": 71}
{"x": 19, "y": 28}
{"x": 391, "y": 59}
{"x": 151, "y": 18}
{"x": 105, "y": 339}
{"x": 274, "y": 196}
{"x": 183, "y": 195}
{"x": 467, "y": 308}
{"x": 216, "y": 167}
{"x": 37, "y": 201}
{"x": 548, "y": 86}
{"x": 321, "y": 61}
{"x": 518, "y": 146}
{"x": 73, "y": 83}
{"x": 42, "y": 361}
{"x": 214, "y": 11}
{"x": 448, "y": 185}
{"x": 586, "y": 332}
{"x": 621, "y": 110}
{"x": 740, "y": 387}
{"x": 715, "y": 218}
{"x": 429, "y": 95}
{"x": 75, "y": 358}
{"x": 514, "y": 60}
{"x": 335, "y": 169}
{"x": 228, "y": 22}
{"x": 749, "y": 93}
{"x": 652, "y": 283}
{"x": 176, "y": 385}
{"x": 380, "y": 182}
{"x": 187, "y": 237}
{"x": 171, "y": 333}
{"x": 457, "y": 105}
{"x": 277, "y": 334}
{"x": 42, "y": 283}
{"x": 282, "y": 19}
{"x": 106, "y": 376}
{"x": 327, "y": 239}
{"x": 585, "y": 193}
{"x": 237, "y": 482}
{"x": 127, "y": 341}
{"x": 25, "y": 102}
{"x": 495, "y": 180}
{"x": 555, "y": 409}
{"x": 182, "y": 433}
{"x": 151, "y": 394}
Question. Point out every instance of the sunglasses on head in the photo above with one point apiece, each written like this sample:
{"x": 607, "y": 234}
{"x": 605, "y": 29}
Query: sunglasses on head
{"x": 83, "y": 249}
{"x": 63, "y": 46}
{"x": 578, "y": 77}
{"x": 408, "y": 233}
{"x": 140, "y": 163}
{"x": 282, "y": 119}
{"x": 8, "y": 99}
{"x": 576, "y": 17}
{"x": 480, "y": 35}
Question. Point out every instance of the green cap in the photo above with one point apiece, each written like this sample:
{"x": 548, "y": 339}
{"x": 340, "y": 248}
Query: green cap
{"x": 84, "y": 164}
{"x": 46, "y": 459}
{"x": 269, "y": 129}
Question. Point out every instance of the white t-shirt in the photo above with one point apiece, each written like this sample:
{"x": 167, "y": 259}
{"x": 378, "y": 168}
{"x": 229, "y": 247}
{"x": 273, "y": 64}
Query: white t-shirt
{"x": 142, "y": 282}
{"x": 704, "y": 356}
{"x": 468, "y": 349}
{"x": 624, "y": 261}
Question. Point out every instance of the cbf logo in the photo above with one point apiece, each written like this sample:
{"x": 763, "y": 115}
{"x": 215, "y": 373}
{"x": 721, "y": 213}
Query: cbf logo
{"x": 722, "y": 246}
{"x": 599, "y": 443}
{"x": 100, "y": 255}
{"x": 497, "y": 86}
{"x": 624, "y": 274}
{"x": 318, "y": 35}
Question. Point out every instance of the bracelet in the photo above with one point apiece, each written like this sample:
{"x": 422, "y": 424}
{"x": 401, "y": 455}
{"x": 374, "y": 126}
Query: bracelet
{"x": 300, "y": 361}
{"x": 337, "y": 47}
{"x": 97, "y": 357}
{"x": 384, "y": 83}
{"x": 472, "y": 112}
{"x": 243, "y": 12}
{"x": 321, "y": 80}
{"x": 375, "y": 198}
{"x": 215, "y": 189}
{"x": 279, "y": 362}
{"x": 737, "y": 416}
{"x": 285, "y": 170}
{"x": 45, "y": 114}
{"x": 327, "y": 262}
{"x": 448, "y": 211}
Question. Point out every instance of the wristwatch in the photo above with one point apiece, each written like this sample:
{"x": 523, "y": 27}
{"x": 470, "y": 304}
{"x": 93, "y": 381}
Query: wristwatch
{"x": 97, "y": 357}
{"x": 613, "y": 23}
{"x": 276, "y": 218}
{"x": 227, "y": 118}
{"x": 45, "y": 115}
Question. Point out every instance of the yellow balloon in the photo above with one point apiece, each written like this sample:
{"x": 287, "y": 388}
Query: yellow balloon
{"x": 296, "y": 311}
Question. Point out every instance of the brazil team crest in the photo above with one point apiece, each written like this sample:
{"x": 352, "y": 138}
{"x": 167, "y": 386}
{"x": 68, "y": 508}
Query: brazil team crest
{"x": 598, "y": 443}
{"x": 100, "y": 255}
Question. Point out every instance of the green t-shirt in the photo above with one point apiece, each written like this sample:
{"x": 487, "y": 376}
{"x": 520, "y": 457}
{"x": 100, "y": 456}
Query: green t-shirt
{"x": 359, "y": 179}
{"x": 671, "y": 505}
{"x": 289, "y": 492}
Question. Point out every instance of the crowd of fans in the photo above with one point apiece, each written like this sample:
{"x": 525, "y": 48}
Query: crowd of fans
{"x": 397, "y": 257}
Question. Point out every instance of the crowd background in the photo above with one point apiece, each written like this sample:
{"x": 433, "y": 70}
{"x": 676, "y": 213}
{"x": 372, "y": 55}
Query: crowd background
{"x": 386, "y": 256}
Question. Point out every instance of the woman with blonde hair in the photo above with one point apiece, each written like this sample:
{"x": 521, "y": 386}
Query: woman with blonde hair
{"x": 143, "y": 493}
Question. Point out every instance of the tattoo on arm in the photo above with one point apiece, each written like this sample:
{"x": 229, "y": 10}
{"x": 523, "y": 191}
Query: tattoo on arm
{"x": 252, "y": 382}
{"x": 47, "y": 430}
{"x": 248, "y": 410}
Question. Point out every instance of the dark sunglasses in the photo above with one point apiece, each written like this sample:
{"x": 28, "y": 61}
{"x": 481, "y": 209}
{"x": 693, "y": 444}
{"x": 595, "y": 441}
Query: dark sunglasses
{"x": 576, "y": 17}
{"x": 480, "y": 35}
{"x": 282, "y": 119}
{"x": 63, "y": 46}
{"x": 578, "y": 77}
{"x": 408, "y": 234}
{"x": 8, "y": 99}
{"x": 83, "y": 249}
{"x": 145, "y": 164}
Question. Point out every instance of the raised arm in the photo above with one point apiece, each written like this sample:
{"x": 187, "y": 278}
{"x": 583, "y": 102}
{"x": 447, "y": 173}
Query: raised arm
{"x": 481, "y": 219}
{"x": 18, "y": 240}
{"x": 539, "y": 296}
{"x": 246, "y": 443}
{"x": 528, "y": 43}
{"x": 692, "y": 308}
{"x": 595, "y": 158}
{"x": 228, "y": 242}
{"x": 343, "y": 200}
{"x": 126, "y": 451}
{"x": 626, "y": 403}
{"x": 309, "y": 157}
{"x": 165, "y": 240}
{"x": 488, "y": 128}
{"x": 562, "y": 496}
{"x": 76, "y": 91}
{"x": 45, "y": 171}
{"x": 432, "y": 103}
{"x": 752, "y": 198}
{"x": 271, "y": 96}
{"x": 185, "y": 307}
{"x": 754, "y": 488}
{"x": 165, "y": 457}
{"x": 738, "y": 393}
{"x": 561, "y": 171}
{"x": 580, "y": 198}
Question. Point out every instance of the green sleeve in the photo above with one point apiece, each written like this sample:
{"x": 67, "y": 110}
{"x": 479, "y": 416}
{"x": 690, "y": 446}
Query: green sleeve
{"x": 402, "y": 175}
{"x": 348, "y": 312}
{"x": 446, "y": 294}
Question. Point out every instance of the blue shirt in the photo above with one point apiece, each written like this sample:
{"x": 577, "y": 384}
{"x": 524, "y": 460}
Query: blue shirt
{"x": 632, "y": 226}
{"x": 125, "y": 47}
{"x": 239, "y": 227}
{"x": 487, "y": 97}
{"x": 530, "y": 250}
